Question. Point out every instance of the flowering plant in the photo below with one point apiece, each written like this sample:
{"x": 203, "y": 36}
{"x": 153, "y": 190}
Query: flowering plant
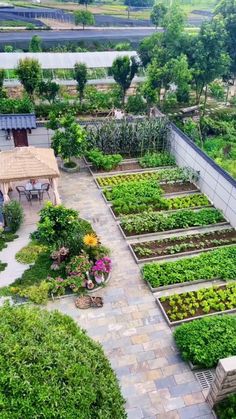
{"x": 102, "y": 266}
{"x": 56, "y": 285}
{"x": 78, "y": 266}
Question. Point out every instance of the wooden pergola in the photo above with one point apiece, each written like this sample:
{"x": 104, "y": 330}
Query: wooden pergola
{"x": 24, "y": 163}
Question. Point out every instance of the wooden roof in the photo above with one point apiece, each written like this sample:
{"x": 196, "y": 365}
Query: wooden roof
{"x": 26, "y": 163}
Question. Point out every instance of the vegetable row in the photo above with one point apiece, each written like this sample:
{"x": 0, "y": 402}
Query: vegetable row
{"x": 197, "y": 303}
{"x": 219, "y": 263}
{"x": 181, "y": 244}
{"x": 154, "y": 222}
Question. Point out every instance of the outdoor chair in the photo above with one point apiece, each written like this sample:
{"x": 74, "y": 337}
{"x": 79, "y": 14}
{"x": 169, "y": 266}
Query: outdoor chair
{"x": 44, "y": 189}
{"x": 23, "y": 192}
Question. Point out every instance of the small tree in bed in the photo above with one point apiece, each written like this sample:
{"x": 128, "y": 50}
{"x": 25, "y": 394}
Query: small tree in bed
{"x": 69, "y": 140}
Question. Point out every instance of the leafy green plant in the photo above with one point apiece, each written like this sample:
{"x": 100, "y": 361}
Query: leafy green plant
{"x": 38, "y": 294}
{"x": 226, "y": 409}
{"x": 14, "y": 216}
{"x": 103, "y": 161}
{"x": 157, "y": 159}
{"x": 30, "y": 253}
{"x": 151, "y": 222}
{"x": 220, "y": 263}
{"x": 162, "y": 175}
{"x": 6, "y": 237}
{"x": 56, "y": 360}
{"x": 205, "y": 341}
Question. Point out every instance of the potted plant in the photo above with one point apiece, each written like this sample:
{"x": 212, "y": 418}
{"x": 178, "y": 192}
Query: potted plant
{"x": 101, "y": 268}
{"x": 69, "y": 141}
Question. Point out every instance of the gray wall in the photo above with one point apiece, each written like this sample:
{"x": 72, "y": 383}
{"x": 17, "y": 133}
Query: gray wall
{"x": 39, "y": 137}
{"x": 218, "y": 185}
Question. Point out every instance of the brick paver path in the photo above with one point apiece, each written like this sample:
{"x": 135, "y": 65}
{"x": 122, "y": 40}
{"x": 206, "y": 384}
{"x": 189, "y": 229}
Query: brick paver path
{"x": 154, "y": 380}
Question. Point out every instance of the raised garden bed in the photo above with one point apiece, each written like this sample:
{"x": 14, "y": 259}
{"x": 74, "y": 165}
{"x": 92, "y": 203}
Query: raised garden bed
{"x": 182, "y": 245}
{"x": 179, "y": 308}
{"x": 150, "y": 223}
{"x": 161, "y": 175}
{"x": 214, "y": 264}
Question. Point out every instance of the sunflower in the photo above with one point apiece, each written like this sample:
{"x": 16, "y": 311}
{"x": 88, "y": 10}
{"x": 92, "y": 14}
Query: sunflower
{"x": 90, "y": 240}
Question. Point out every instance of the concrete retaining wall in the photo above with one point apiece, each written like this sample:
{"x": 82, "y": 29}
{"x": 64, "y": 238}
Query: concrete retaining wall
{"x": 217, "y": 184}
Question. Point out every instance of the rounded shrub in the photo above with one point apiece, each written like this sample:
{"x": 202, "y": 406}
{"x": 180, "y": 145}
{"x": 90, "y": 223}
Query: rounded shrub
{"x": 50, "y": 368}
{"x": 14, "y": 215}
{"x": 205, "y": 341}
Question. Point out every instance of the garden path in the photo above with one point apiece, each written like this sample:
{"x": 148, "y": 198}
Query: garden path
{"x": 154, "y": 380}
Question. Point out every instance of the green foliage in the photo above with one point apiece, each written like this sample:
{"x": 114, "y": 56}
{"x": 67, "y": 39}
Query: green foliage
{"x": 81, "y": 76}
{"x": 104, "y": 161}
{"x": 10, "y": 105}
{"x": 204, "y": 301}
{"x": 48, "y": 90}
{"x": 84, "y": 18}
{"x": 205, "y": 341}
{"x": 162, "y": 175}
{"x": 38, "y": 294}
{"x": 2, "y": 77}
{"x": 157, "y": 159}
{"x": 70, "y": 139}
{"x": 123, "y": 70}
{"x": 217, "y": 90}
{"x": 220, "y": 263}
{"x": 136, "y": 105}
{"x": 30, "y": 253}
{"x": 14, "y": 215}
{"x": 35, "y": 274}
{"x": 158, "y": 13}
{"x": 46, "y": 356}
{"x": 29, "y": 73}
{"x": 6, "y": 237}
{"x": 153, "y": 222}
{"x": 35, "y": 44}
{"x": 226, "y": 409}
{"x": 123, "y": 46}
{"x": 8, "y": 48}
{"x": 130, "y": 138}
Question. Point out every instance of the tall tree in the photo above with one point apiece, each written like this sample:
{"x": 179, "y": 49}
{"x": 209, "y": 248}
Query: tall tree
{"x": 173, "y": 24}
{"x": 30, "y": 74}
{"x": 123, "y": 70}
{"x": 81, "y": 76}
{"x": 84, "y": 18}
{"x": 48, "y": 90}
{"x": 35, "y": 44}
{"x": 158, "y": 13}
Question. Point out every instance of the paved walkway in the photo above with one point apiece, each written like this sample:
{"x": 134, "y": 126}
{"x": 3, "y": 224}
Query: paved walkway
{"x": 154, "y": 380}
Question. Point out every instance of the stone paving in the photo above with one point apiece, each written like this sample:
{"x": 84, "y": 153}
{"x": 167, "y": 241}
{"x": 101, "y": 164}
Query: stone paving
{"x": 154, "y": 380}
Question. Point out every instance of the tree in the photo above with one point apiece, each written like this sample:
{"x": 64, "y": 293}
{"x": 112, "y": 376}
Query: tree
{"x": 173, "y": 24}
{"x": 84, "y": 18}
{"x": 48, "y": 90}
{"x": 35, "y": 44}
{"x": 30, "y": 74}
{"x": 2, "y": 77}
{"x": 70, "y": 139}
{"x": 8, "y": 48}
{"x": 81, "y": 76}
{"x": 123, "y": 70}
{"x": 180, "y": 75}
{"x": 158, "y": 13}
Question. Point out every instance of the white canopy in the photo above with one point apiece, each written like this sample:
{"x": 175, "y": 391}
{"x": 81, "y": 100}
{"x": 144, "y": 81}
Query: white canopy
{"x": 64, "y": 60}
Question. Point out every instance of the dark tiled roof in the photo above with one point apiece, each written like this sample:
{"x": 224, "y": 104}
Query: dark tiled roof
{"x": 17, "y": 121}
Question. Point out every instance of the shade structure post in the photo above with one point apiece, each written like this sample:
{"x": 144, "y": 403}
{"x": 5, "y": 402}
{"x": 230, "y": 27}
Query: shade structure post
{"x": 57, "y": 199}
{"x": 5, "y": 188}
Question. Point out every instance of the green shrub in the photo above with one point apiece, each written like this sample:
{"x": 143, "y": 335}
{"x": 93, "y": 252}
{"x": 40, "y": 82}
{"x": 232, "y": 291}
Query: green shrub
{"x": 220, "y": 263}
{"x": 6, "y": 237}
{"x": 136, "y": 105}
{"x": 157, "y": 159}
{"x": 226, "y": 409}
{"x": 13, "y": 213}
{"x": 10, "y": 105}
{"x": 30, "y": 253}
{"x": 51, "y": 369}
{"x": 38, "y": 294}
{"x": 104, "y": 161}
{"x": 217, "y": 90}
{"x": 205, "y": 341}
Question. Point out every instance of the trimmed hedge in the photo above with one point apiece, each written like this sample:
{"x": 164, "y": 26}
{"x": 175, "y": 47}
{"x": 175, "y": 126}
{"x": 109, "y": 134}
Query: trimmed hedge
{"x": 205, "y": 341}
{"x": 51, "y": 369}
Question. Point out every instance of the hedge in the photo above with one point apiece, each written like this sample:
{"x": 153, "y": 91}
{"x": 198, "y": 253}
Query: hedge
{"x": 51, "y": 369}
{"x": 205, "y": 341}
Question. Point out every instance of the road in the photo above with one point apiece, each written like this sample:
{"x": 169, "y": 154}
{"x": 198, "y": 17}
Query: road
{"x": 132, "y": 34}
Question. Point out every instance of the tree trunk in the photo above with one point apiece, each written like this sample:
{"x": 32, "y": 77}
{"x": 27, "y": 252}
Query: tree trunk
{"x": 123, "y": 98}
{"x": 205, "y": 100}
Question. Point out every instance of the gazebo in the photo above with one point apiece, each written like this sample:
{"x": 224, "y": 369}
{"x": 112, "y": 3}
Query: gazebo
{"x": 23, "y": 163}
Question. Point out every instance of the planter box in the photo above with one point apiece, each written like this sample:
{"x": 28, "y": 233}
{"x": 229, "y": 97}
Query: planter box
{"x": 176, "y": 255}
{"x": 179, "y": 284}
{"x": 128, "y": 171}
{"x": 120, "y": 174}
{"x": 179, "y": 230}
{"x": 175, "y": 323}
{"x": 70, "y": 169}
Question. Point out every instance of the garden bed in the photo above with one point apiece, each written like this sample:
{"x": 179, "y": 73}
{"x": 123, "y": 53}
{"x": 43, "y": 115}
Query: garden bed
{"x": 181, "y": 245}
{"x": 149, "y": 224}
{"x": 180, "y": 308}
{"x": 215, "y": 264}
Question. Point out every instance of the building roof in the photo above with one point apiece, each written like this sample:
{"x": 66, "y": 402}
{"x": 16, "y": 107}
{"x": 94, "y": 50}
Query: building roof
{"x": 17, "y": 121}
{"x": 26, "y": 163}
{"x": 64, "y": 60}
